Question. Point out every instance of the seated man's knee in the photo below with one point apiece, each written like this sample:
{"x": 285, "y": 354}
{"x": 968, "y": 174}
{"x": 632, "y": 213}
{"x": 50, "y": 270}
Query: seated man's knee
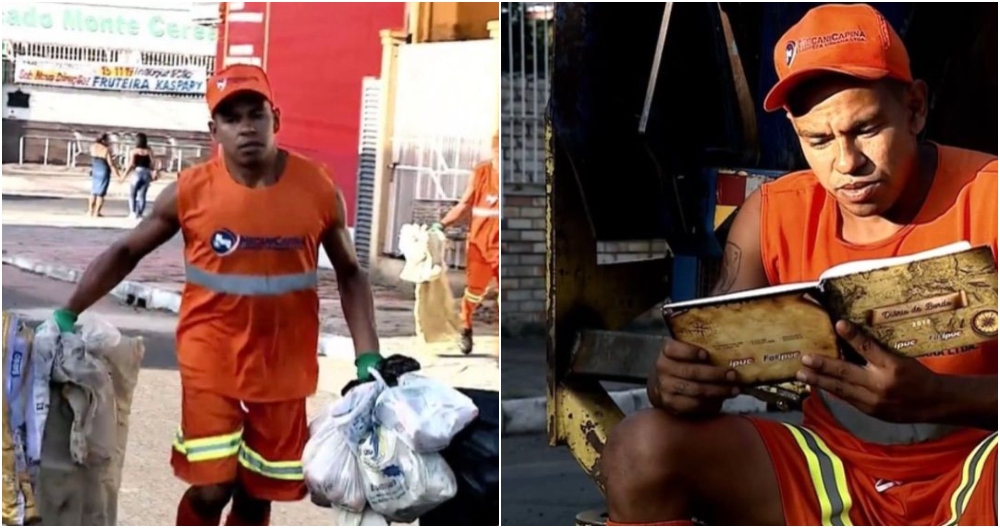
{"x": 647, "y": 450}
{"x": 212, "y": 498}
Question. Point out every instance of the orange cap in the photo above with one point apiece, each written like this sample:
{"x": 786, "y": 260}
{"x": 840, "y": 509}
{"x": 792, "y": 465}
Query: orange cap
{"x": 853, "y": 40}
{"x": 238, "y": 78}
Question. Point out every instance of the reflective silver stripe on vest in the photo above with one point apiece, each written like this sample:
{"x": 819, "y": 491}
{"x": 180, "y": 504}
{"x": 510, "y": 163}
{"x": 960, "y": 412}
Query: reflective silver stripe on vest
{"x": 875, "y": 431}
{"x": 485, "y": 212}
{"x": 251, "y": 284}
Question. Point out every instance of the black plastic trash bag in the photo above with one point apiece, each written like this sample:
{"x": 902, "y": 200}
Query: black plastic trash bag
{"x": 474, "y": 456}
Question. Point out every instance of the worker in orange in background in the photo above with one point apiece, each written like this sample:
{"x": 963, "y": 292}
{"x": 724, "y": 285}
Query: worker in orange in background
{"x": 482, "y": 200}
{"x": 253, "y": 222}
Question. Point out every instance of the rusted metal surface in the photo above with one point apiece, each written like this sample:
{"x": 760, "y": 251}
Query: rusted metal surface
{"x": 616, "y": 356}
{"x": 586, "y": 416}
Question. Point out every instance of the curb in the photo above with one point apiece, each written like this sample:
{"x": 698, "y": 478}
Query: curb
{"x": 529, "y": 416}
{"x": 519, "y": 416}
{"x": 140, "y": 295}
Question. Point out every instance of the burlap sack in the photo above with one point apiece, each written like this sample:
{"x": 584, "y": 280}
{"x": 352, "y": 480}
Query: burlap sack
{"x": 73, "y": 495}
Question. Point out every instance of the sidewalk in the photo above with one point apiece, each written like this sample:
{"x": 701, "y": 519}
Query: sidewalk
{"x": 68, "y": 183}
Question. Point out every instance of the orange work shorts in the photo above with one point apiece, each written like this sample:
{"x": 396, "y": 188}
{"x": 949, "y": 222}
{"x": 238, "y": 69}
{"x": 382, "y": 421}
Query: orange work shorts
{"x": 818, "y": 488}
{"x": 255, "y": 445}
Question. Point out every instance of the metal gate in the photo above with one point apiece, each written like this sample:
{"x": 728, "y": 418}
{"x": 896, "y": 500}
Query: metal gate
{"x": 525, "y": 89}
{"x": 445, "y": 114}
{"x": 367, "y": 147}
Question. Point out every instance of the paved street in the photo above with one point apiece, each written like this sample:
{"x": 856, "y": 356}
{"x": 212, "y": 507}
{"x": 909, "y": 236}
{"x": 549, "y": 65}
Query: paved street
{"x": 53, "y": 229}
{"x": 543, "y": 486}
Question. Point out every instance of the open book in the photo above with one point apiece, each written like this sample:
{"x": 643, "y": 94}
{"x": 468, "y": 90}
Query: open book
{"x": 936, "y": 302}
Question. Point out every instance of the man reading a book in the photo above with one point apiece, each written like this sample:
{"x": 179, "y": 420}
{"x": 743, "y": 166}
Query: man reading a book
{"x": 886, "y": 440}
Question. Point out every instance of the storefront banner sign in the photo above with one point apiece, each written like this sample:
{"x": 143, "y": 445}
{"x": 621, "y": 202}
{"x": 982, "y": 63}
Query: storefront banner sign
{"x": 178, "y": 80}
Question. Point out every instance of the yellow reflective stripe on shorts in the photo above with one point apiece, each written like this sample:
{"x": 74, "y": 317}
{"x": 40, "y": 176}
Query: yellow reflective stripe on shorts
{"x": 473, "y": 298}
{"x": 209, "y": 448}
{"x": 252, "y": 460}
{"x": 828, "y": 476}
{"x": 972, "y": 474}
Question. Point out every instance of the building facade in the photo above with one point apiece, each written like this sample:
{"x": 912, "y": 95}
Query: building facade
{"x": 74, "y": 70}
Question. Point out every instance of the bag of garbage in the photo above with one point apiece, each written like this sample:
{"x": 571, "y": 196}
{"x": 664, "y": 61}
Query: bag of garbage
{"x": 474, "y": 457}
{"x": 365, "y": 518}
{"x": 400, "y": 483}
{"x": 331, "y": 469}
{"x": 424, "y": 413}
{"x": 82, "y": 385}
{"x": 329, "y": 459}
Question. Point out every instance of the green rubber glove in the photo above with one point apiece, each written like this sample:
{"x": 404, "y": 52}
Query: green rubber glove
{"x": 65, "y": 320}
{"x": 367, "y": 361}
{"x": 437, "y": 227}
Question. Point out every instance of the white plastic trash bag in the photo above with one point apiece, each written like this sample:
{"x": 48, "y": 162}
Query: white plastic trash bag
{"x": 331, "y": 469}
{"x": 365, "y": 518}
{"x": 353, "y": 414}
{"x": 400, "y": 483}
{"x": 329, "y": 459}
{"x": 425, "y": 413}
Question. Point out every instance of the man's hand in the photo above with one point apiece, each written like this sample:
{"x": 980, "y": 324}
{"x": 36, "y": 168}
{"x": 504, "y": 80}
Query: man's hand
{"x": 685, "y": 384}
{"x": 890, "y": 387}
{"x": 65, "y": 320}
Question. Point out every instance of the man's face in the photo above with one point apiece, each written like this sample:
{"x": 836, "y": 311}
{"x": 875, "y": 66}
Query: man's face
{"x": 245, "y": 125}
{"x": 860, "y": 139}
{"x": 496, "y": 155}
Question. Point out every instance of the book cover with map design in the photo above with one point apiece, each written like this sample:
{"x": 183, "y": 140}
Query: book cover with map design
{"x": 930, "y": 306}
{"x": 929, "y": 303}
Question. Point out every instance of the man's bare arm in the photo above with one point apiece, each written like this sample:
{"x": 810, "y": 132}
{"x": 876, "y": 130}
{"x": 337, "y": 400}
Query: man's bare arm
{"x": 742, "y": 269}
{"x": 969, "y": 401}
{"x": 115, "y": 263}
{"x": 352, "y": 282}
{"x": 462, "y": 208}
{"x": 742, "y": 260}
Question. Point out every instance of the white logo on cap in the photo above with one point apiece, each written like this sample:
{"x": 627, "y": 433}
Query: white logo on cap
{"x": 790, "y": 52}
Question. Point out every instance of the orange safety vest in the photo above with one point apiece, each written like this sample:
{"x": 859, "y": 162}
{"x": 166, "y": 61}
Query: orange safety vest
{"x": 249, "y": 322}
{"x": 800, "y": 239}
{"x": 484, "y": 231}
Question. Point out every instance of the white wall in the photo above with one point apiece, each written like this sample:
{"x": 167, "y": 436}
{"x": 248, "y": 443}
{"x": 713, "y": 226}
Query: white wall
{"x": 110, "y": 109}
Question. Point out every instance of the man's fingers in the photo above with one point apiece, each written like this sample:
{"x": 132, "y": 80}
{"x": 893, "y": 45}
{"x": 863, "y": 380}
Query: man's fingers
{"x": 836, "y": 368}
{"x": 697, "y": 390}
{"x": 861, "y": 342}
{"x": 697, "y": 372}
{"x": 684, "y": 352}
{"x": 854, "y": 394}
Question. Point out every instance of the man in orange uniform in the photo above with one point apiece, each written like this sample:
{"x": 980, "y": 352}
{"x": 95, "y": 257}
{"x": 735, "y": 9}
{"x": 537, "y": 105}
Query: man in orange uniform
{"x": 253, "y": 223}
{"x": 482, "y": 262}
{"x": 894, "y": 442}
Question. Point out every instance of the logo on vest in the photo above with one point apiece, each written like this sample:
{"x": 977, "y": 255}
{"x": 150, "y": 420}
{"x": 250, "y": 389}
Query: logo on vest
{"x": 492, "y": 199}
{"x": 225, "y": 242}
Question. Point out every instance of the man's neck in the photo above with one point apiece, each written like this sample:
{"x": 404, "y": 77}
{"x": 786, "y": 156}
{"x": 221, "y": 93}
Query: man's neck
{"x": 264, "y": 174}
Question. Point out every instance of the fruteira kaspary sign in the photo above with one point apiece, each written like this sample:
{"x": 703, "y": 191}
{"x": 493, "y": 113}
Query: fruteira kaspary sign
{"x": 182, "y": 80}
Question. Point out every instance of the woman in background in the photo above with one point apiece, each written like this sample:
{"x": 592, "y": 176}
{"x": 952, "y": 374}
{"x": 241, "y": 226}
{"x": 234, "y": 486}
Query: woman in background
{"x": 102, "y": 164}
{"x": 142, "y": 163}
